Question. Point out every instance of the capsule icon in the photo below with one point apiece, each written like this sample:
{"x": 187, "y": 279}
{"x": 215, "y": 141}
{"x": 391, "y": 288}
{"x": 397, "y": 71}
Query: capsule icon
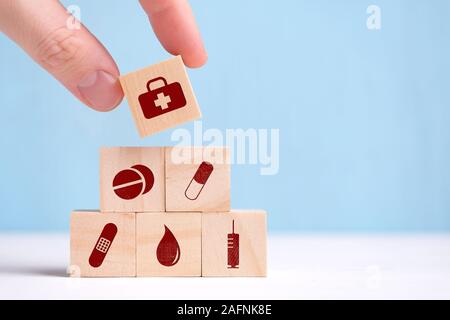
{"x": 197, "y": 183}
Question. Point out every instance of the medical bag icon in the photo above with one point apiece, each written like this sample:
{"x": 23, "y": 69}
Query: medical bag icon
{"x": 162, "y": 98}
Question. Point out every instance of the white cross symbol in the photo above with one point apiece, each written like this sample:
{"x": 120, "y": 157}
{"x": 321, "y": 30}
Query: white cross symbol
{"x": 162, "y": 101}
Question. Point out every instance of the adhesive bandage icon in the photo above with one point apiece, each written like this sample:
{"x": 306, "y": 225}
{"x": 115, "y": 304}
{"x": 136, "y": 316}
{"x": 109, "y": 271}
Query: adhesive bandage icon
{"x": 102, "y": 245}
{"x": 197, "y": 183}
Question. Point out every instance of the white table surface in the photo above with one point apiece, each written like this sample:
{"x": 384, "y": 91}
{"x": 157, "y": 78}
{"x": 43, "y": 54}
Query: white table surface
{"x": 33, "y": 266}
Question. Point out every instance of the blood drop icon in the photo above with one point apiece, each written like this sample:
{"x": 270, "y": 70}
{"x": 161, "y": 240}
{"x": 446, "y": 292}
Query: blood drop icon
{"x": 168, "y": 251}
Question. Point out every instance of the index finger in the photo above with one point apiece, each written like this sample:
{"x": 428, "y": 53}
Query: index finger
{"x": 175, "y": 27}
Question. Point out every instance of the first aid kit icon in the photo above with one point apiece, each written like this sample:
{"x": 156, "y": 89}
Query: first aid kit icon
{"x": 161, "y": 98}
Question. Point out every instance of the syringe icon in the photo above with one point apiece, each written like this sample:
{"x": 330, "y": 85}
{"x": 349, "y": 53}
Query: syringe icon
{"x": 233, "y": 250}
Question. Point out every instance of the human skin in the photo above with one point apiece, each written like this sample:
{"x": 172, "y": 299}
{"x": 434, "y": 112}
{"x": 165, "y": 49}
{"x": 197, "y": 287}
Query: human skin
{"x": 77, "y": 59}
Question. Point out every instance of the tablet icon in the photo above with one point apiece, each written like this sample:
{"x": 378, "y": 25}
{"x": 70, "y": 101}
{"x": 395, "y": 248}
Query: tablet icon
{"x": 133, "y": 182}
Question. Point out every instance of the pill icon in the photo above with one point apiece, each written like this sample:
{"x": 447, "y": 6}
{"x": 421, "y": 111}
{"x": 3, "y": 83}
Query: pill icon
{"x": 133, "y": 182}
{"x": 197, "y": 183}
{"x": 102, "y": 245}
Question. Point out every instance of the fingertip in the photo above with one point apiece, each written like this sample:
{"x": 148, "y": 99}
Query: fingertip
{"x": 195, "y": 55}
{"x": 100, "y": 90}
{"x": 174, "y": 25}
{"x": 195, "y": 61}
{"x": 107, "y": 108}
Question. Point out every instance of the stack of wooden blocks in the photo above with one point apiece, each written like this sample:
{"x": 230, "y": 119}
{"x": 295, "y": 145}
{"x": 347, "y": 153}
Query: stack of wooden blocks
{"x": 165, "y": 211}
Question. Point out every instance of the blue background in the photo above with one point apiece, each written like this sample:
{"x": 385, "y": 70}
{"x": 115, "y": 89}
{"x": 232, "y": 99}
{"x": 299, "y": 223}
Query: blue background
{"x": 363, "y": 115}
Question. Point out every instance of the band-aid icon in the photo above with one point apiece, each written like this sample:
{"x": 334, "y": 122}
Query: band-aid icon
{"x": 197, "y": 183}
{"x": 102, "y": 245}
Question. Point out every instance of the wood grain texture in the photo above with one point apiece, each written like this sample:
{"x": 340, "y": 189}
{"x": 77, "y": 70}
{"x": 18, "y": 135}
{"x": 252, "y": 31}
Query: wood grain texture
{"x": 115, "y": 159}
{"x": 85, "y": 229}
{"x": 135, "y": 83}
{"x": 252, "y": 229}
{"x": 185, "y": 227}
{"x": 182, "y": 164}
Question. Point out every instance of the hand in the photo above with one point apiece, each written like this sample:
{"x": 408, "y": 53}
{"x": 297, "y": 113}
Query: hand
{"x": 78, "y": 60}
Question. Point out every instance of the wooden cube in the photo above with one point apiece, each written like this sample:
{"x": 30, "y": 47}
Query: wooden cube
{"x": 102, "y": 244}
{"x": 234, "y": 243}
{"x": 160, "y": 96}
{"x": 168, "y": 244}
{"x": 198, "y": 179}
{"x": 132, "y": 179}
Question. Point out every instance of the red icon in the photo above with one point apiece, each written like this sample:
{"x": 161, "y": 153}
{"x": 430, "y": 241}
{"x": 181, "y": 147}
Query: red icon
{"x": 133, "y": 182}
{"x": 168, "y": 251}
{"x": 198, "y": 181}
{"x": 103, "y": 244}
{"x": 161, "y": 99}
{"x": 233, "y": 250}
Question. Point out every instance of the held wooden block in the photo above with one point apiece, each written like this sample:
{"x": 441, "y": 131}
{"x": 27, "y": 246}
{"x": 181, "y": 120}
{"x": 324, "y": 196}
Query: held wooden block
{"x": 168, "y": 244}
{"x": 132, "y": 179}
{"x": 198, "y": 179}
{"x": 102, "y": 244}
{"x": 239, "y": 251}
{"x": 160, "y": 96}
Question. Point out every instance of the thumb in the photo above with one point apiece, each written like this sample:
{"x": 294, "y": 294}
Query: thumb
{"x": 72, "y": 55}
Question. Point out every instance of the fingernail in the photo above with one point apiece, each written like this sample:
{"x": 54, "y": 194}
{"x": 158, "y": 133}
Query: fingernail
{"x": 101, "y": 89}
